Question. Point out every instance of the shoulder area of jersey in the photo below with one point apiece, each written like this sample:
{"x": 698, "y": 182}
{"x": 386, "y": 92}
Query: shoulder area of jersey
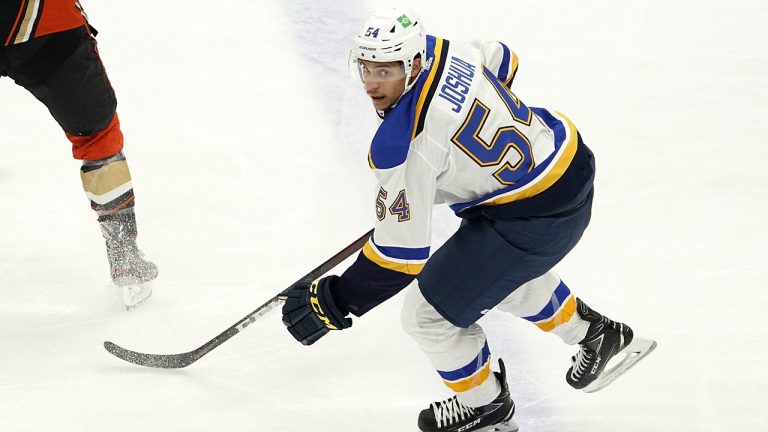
{"x": 409, "y": 118}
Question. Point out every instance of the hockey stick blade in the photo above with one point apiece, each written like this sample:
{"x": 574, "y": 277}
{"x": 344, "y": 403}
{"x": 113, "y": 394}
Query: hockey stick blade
{"x": 176, "y": 361}
{"x": 168, "y": 361}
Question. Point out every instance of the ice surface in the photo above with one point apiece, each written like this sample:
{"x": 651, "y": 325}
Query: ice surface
{"x": 247, "y": 141}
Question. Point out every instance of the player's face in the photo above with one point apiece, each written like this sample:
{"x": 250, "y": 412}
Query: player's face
{"x": 384, "y": 81}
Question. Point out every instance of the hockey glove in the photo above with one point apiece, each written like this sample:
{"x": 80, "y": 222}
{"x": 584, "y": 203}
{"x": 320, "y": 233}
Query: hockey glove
{"x": 309, "y": 311}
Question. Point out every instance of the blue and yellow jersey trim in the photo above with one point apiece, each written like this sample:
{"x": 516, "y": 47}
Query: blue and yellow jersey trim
{"x": 545, "y": 174}
{"x": 439, "y": 54}
{"x": 471, "y": 375}
{"x": 409, "y": 261}
{"x": 558, "y": 310}
{"x": 403, "y": 123}
{"x": 508, "y": 67}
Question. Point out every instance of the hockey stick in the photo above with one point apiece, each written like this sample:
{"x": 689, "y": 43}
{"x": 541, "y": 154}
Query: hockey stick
{"x": 175, "y": 361}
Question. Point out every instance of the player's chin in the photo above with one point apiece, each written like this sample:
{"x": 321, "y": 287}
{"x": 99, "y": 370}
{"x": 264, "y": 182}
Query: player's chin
{"x": 380, "y": 103}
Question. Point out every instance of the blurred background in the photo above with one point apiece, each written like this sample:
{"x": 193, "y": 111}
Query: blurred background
{"x": 247, "y": 142}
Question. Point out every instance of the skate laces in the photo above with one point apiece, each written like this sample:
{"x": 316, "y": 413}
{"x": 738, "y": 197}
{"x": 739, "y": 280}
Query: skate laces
{"x": 581, "y": 362}
{"x": 450, "y": 411}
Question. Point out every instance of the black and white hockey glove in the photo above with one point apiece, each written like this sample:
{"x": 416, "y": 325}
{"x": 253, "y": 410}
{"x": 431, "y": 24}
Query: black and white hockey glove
{"x": 309, "y": 311}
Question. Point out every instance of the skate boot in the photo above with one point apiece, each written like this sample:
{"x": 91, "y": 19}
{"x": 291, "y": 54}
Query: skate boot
{"x": 128, "y": 268}
{"x": 604, "y": 340}
{"x": 451, "y": 415}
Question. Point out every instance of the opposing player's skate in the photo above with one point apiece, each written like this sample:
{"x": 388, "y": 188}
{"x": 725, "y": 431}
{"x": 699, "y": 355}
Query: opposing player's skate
{"x": 129, "y": 270}
{"x": 451, "y": 415}
{"x": 605, "y": 339}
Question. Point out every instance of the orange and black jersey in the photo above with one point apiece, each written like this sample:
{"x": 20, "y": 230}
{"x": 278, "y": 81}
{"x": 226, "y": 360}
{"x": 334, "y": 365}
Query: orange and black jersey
{"x": 21, "y": 20}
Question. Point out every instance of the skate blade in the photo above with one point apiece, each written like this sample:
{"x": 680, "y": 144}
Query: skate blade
{"x": 136, "y": 294}
{"x": 633, "y": 353}
{"x": 507, "y": 426}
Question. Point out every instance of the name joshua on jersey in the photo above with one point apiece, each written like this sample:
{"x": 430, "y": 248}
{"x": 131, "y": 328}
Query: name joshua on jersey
{"x": 457, "y": 82}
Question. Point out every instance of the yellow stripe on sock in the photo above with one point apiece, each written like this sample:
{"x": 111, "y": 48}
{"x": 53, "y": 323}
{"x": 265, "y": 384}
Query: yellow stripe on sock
{"x": 562, "y": 317}
{"x": 471, "y": 382}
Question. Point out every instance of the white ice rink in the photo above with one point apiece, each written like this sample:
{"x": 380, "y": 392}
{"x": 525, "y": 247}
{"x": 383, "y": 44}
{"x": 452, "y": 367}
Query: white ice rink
{"x": 247, "y": 142}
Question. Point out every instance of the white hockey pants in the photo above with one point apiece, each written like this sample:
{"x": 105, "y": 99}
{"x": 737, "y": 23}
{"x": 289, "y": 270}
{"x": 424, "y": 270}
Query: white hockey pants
{"x": 461, "y": 356}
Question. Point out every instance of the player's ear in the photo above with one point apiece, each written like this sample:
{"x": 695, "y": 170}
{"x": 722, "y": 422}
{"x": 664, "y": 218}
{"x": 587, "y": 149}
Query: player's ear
{"x": 416, "y": 66}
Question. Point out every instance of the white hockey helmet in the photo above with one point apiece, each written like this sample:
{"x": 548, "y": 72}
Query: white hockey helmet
{"x": 390, "y": 35}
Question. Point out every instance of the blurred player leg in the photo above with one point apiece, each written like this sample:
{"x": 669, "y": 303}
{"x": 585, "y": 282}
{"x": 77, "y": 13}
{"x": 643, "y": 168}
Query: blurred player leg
{"x": 107, "y": 183}
{"x": 63, "y": 70}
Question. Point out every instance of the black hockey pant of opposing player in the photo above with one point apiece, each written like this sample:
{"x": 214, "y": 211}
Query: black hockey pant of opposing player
{"x": 64, "y": 72}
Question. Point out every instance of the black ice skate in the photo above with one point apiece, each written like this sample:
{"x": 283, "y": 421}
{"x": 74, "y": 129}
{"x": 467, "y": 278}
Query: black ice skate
{"x": 451, "y": 416}
{"x": 604, "y": 340}
{"x": 128, "y": 268}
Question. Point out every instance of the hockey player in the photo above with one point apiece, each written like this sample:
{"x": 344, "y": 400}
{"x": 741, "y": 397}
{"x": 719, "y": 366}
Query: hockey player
{"x": 520, "y": 177}
{"x": 48, "y": 48}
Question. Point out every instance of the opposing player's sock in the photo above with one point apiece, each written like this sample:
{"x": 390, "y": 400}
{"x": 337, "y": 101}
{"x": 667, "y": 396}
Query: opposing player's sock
{"x": 604, "y": 340}
{"x": 107, "y": 183}
{"x": 451, "y": 415}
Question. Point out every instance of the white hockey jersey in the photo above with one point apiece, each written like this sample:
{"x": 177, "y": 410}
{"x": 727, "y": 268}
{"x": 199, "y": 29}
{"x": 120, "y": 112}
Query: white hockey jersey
{"x": 460, "y": 137}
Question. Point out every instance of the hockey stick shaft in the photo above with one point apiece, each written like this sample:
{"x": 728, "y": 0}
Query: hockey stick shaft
{"x": 308, "y": 278}
{"x": 173, "y": 361}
